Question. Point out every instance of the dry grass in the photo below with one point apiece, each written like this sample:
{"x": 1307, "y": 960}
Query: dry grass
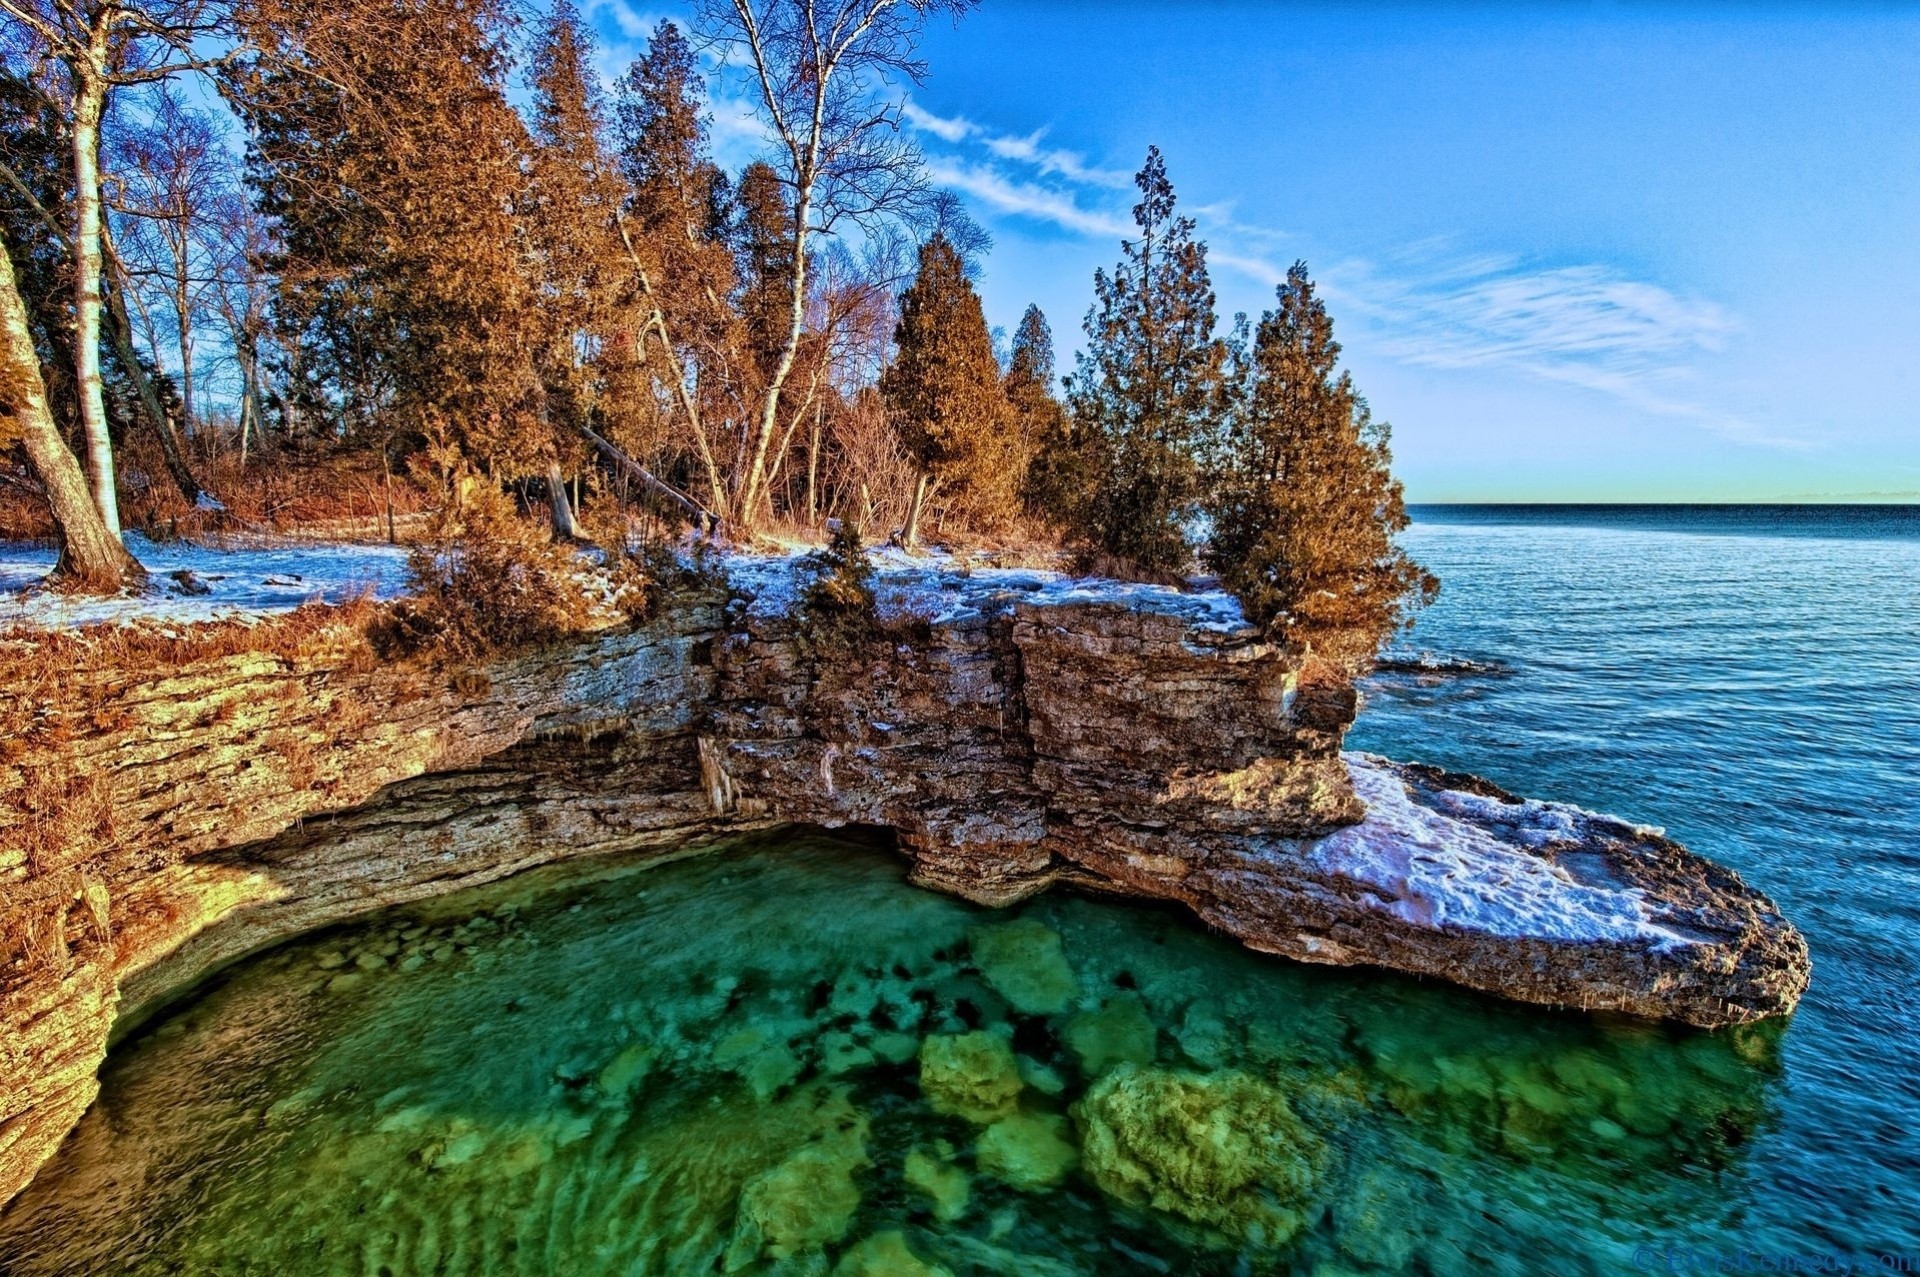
{"x": 338, "y": 497}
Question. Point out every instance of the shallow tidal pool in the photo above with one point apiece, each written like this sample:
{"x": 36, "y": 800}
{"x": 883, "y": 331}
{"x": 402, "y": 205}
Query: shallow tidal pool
{"x": 780, "y": 1057}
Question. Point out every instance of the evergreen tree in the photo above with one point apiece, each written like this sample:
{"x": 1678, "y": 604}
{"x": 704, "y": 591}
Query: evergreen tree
{"x": 1056, "y": 470}
{"x": 677, "y": 218}
{"x": 763, "y": 251}
{"x": 944, "y": 395}
{"x": 1148, "y": 387}
{"x": 573, "y": 196}
{"x": 661, "y": 128}
{"x": 1304, "y": 507}
{"x": 390, "y": 164}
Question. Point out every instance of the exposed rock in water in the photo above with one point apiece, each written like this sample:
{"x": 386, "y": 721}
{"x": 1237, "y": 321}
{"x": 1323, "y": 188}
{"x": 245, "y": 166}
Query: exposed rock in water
{"x": 1014, "y": 730}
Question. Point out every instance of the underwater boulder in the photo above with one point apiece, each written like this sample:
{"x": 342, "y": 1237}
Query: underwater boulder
{"x": 1221, "y": 1150}
{"x": 1118, "y": 1033}
{"x": 1023, "y": 961}
{"x": 1027, "y": 1151}
{"x": 946, "y": 1186}
{"x": 886, "y": 1255}
{"x": 804, "y": 1203}
{"x": 970, "y": 1075}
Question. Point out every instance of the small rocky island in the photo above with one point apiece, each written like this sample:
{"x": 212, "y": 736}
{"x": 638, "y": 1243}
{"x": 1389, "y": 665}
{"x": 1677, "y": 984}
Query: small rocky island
{"x": 1016, "y": 730}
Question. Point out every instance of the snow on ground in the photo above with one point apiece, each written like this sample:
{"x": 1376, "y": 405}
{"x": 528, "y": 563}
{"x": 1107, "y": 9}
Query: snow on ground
{"x": 945, "y": 589}
{"x": 1440, "y": 866}
{"x": 243, "y": 581}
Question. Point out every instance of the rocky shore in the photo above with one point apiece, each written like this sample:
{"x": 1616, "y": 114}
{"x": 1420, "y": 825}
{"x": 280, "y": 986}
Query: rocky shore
{"x": 1014, "y": 730}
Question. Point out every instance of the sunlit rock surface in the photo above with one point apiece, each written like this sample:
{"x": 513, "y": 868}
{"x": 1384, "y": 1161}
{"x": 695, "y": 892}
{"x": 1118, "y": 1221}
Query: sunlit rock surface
{"x": 1016, "y": 730}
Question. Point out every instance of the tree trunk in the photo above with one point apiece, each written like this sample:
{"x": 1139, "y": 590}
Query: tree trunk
{"x": 89, "y": 100}
{"x": 910, "y": 538}
{"x": 754, "y": 492}
{"x": 703, "y": 519}
{"x": 564, "y": 527}
{"x": 92, "y": 557}
{"x": 120, "y": 330}
{"x": 183, "y": 317}
{"x": 813, "y": 466}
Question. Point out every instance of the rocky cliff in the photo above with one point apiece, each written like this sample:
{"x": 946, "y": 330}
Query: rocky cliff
{"x": 1014, "y": 730}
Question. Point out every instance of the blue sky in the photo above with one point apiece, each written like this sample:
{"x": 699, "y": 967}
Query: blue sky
{"x": 1578, "y": 252}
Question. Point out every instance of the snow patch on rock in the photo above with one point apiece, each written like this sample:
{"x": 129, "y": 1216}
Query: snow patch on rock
{"x": 946, "y": 590}
{"x": 1431, "y": 858}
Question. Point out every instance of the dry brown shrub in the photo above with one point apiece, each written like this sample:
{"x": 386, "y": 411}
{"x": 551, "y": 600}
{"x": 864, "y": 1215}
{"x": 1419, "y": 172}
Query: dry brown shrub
{"x": 1091, "y": 560}
{"x": 485, "y": 580}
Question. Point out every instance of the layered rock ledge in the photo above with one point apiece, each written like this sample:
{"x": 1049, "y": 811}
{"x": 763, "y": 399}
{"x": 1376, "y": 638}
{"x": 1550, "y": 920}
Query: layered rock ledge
{"x": 1015, "y": 730}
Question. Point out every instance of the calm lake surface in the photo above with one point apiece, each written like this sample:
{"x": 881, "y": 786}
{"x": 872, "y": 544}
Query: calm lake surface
{"x": 782, "y": 1058}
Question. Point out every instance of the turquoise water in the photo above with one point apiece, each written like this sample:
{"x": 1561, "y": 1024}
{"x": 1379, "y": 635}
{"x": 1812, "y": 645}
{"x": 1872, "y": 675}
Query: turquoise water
{"x": 779, "y": 1057}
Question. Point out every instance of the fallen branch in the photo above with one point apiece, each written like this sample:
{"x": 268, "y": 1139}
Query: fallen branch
{"x": 703, "y": 518}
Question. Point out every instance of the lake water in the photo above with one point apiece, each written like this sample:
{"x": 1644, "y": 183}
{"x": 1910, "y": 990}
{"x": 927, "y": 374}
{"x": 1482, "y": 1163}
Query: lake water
{"x": 781, "y": 1058}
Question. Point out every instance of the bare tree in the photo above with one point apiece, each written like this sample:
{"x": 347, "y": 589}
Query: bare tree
{"x": 91, "y": 555}
{"x": 168, "y": 174}
{"x": 103, "y": 46}
{"x": 241, "y": 290}
{"x": 823, "y": 72}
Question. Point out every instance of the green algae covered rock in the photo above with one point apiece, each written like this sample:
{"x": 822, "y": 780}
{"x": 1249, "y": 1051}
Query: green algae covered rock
{"x": 1221, "y": 1150}
{"x": 807, "y": 1201}
{"x": 970, "y": 1075}
{"x": 886, "y": 1255}
{"x": 945, "y": 1185}
{"x": 1118, "y": 1033}
{"x": 1028, "y": 1151}
{"x": 1025, "y": 964}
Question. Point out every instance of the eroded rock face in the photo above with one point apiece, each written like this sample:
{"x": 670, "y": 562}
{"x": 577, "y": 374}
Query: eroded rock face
{"x": 1015, "y": 734}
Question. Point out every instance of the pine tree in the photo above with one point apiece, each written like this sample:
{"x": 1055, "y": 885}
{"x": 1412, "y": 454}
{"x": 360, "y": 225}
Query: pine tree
{"x": 944, "y": 395}
{"x": 1056, "y": 470}
{"x": 573, "y": 196}
{"x": 387, "y": 157}
{"x": 1304, "y": 507}
{"x": 677, "y": 221}
{"x": 1148, "y": 387}
{"x": 763, "y": 251}
{"x": 661, "y": 127}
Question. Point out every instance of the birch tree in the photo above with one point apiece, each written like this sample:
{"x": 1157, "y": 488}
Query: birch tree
{"x": 103, "y": 46}
{"x": 822, "y": 74}
{"x": 92, "y": 557}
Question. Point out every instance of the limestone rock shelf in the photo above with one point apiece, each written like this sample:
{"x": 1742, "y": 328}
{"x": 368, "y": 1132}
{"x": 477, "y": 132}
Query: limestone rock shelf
{"x": 1015, "y": 730}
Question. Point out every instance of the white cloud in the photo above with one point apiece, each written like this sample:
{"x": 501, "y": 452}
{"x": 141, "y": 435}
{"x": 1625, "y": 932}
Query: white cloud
{"x": 1588, "y": 326}
{"x": 1025, "y": 199}
{"x": 1052, "y": 161}
{"x": 956, "y": 129}
{"x": 629, "y": 21}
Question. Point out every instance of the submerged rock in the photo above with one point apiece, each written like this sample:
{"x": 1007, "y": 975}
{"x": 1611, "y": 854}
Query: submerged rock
{"x": 1120, "y": 1032}
{"x": 1221, "y": 1150}
{"x": 805, "y": 1203}
{"x": 886, "y": 1255}
{"x": 944, "y": 1184}
{"x": 970, "y": 1075}
{"x": 1028, "y": 1151}
{"x": 1025, "y": 964}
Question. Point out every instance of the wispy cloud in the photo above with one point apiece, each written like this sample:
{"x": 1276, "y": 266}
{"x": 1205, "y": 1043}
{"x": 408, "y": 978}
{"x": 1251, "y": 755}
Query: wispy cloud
{"x": 1020, "y": 198}
{"x": 631, "y": 23}
{"x": 1589, "y": 326}
{"x": 1583, "y": 324}
{"x": 946, "y": 128}
{"x": 1027, "y": 150}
